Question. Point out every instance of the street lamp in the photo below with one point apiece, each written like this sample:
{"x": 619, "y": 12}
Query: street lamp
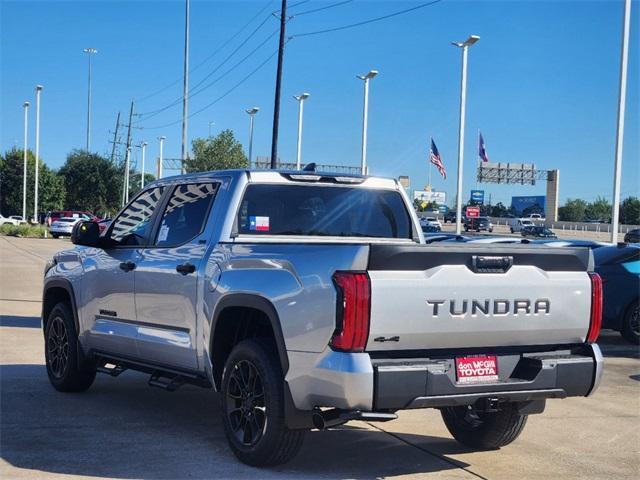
{"x": 89, "y": 52}
{"x": 300, "y": 98}
{"x": 35, "y": 193}
{"x": 24, "y": 175}
{"x": 252, "y": 112}
{"x": 463, "y": 99}
{"x": 161, "y": 139}
{"x": 143, "y": 146}
{"x": 210, "y": 125}
{"x": 365, "y": 117}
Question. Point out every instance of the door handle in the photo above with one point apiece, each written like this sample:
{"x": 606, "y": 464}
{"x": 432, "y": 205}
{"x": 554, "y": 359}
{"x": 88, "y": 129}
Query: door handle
{"x": 128, "y": 266}
{"x": 186, "y": 268}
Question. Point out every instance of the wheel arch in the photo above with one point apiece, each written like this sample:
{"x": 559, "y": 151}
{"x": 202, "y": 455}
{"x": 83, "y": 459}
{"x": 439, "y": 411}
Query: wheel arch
{"x": 262, "y": 308}
{"x": 58, "y": 290}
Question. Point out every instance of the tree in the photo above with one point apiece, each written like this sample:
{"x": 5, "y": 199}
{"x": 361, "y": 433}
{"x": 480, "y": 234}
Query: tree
{"x": 134, "y": 182}
{"x": 216, "y": 153}
{"x": 600, "y": 209}
{"x": 573, "y": 210}
{"x": 92, "y": 182}
{"x": 630, "y": 211}
{"x": 499, "y": 210}
{"x": 50, "y": 187}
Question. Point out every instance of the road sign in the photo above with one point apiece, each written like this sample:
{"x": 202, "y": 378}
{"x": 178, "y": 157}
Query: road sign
{"x": 477, "y": 196}
{"x": 473, "y": 212}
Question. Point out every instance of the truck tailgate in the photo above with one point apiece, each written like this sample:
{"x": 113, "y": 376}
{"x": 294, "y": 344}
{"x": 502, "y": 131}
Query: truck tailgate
{"x": 427, "y": 297}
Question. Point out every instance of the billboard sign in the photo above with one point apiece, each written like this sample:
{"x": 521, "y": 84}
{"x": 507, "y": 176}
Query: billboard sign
{"x": 473, "y": 212}
{"x": 477, "y": 196}
{"x": 437, "y": 197}
{"x": 524, "y": 206}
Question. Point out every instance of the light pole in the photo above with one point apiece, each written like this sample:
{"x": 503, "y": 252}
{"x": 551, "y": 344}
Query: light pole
{"x": 210, "y": 125}
{"x": 300, "y": 98}
{"x": 24, "y": 174}
{"x": 622, "y": 98}
{"x": 125, "y": 189}
{"x": 160, "y": 158}
{"x": 365, "y": 117}
{"x": 89, "y": 52}
{"x": 185, "y": 87}
{"x": 143, "y": 146}
{"x": 35, "y": 193}
{"x": 463, "y": 100}
{"x": 252, "y": 112}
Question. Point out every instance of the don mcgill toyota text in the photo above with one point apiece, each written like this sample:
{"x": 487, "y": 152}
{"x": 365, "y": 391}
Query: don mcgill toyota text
{"x": 310, "y": 299}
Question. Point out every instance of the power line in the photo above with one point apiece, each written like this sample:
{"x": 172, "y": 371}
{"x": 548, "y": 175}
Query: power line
{"x": 195, "y": 90}
{"x": 365, "y": 22}
{"x": 344, "y": 2}
{"x": 213, "y": 82}
{"x": 209, "y": 57}
{"x": 249, "y": 75}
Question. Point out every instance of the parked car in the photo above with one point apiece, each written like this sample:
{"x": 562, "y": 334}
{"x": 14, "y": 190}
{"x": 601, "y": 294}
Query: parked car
{"x": 536, "y": 217}
{"x": 104, "y": 224}
{"x": 63, "y": 226}
{"x": 429, "y": 228}
{"x": 431, "y": 222}
{"x": 57, "y": 214}
{"x": 274, "y": 289}
{"x": 478, "y": 224}
{"x": 450, "y": 216}
{"x": 517, "y": 224}
{"x": 619, "y": 267}
{"x": 8, "y": 221}
{"x": 19, "y": 219}
{"x": 632, "y": 236}
{"x": 537, "y": 231}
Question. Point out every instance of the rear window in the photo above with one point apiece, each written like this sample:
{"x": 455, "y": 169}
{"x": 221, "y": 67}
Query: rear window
{"x": 323, "y": 211}
{"x": 67, "y": 220}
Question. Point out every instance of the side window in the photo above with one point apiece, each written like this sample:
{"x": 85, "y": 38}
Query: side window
{"x": 133, "y": 225}
{"x": 186, "y": 213}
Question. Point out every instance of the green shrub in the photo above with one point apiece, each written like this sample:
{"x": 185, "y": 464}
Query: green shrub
{"x": 23, "y": 230}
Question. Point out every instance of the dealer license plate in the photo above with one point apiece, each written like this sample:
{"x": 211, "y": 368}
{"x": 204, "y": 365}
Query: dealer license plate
{"x": 477, "y": 369}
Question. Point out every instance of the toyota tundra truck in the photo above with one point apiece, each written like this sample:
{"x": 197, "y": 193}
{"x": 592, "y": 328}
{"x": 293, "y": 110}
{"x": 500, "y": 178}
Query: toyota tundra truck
{"x": 310, "y": 299}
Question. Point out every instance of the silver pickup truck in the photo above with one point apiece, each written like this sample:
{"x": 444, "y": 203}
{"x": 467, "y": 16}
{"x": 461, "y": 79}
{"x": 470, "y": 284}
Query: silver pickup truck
{"x": 310, "y": 299}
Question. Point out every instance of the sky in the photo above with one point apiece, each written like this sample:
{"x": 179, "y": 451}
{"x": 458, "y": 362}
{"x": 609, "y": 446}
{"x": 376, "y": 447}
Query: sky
{"x": 542, "y": 83}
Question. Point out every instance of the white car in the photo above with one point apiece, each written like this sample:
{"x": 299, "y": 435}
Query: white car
{"x": 431, "y": 221}
{"x": 517, "y": 224}
{"x": 536, "y": 216}
{"x": 8, "y": 220}
{"x": 63, "y": 226}
{"x": 18, "y": 219}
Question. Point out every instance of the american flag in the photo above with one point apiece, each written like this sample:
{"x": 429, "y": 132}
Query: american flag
{"x": 434, "y": 155}
{"x": 482, "y": 152}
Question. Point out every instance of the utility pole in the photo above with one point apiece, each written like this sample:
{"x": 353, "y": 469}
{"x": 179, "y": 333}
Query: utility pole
{"x": 115, "y": 138}
{"x": 276, "y": 108}
{"x": 463, "y": 101}
{"x": 622, "y": 99}
{"x": 24, "y": 175}
{"x": 143, "y": 146}
{"x": 35, "y": 195}
{"x": 160, "y": 158}
{"x": 185, "y": 86}
{"x": 125, "y": 187}
{"x": 89, "y": 52}
{"x": 300, "y": 98}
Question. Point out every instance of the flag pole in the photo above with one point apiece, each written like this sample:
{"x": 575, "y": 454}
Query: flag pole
{"x": 430, "y": 163}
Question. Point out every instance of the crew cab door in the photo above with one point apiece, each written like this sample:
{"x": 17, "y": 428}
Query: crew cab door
{"x": 167, "y": 277}
{"x": 109, "y": 278}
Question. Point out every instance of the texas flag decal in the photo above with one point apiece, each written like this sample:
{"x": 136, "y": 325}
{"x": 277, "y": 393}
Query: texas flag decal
{"x": 260, "y": 224}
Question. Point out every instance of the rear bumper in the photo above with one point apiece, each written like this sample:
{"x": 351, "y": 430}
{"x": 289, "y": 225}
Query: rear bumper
{"x": 355, "y": 381}
{"x": 431, "y": 382}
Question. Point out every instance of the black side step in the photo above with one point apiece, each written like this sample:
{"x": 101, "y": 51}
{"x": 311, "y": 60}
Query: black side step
{"x": 165, "y": 381}
{"x": 114, "y": 371}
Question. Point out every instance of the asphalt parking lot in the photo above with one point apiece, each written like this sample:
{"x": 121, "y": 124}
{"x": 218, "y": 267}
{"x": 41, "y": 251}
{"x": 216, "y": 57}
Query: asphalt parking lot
{"x": 123, "y": 429}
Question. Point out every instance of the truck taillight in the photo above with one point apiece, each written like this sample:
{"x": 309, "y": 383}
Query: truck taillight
{"x": 596, "y": 308}
{"x": 352, "y": 315}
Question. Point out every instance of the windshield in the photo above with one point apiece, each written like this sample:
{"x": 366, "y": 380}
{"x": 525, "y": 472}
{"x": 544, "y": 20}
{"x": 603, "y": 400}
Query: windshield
{"x": 323, "y": 211}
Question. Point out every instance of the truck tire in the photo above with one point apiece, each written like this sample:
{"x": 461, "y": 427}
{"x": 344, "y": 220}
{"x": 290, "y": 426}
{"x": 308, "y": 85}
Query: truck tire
{"x": 252, "y": 406}
{"x": 486, "y": 431}
{"x": 55, "y": 235}
{"x": 631, "y": 324}
{"x": 66, "y": 371}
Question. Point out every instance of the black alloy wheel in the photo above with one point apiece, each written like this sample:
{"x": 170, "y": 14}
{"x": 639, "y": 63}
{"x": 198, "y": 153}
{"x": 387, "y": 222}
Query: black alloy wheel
{"x": 58, "y": 348}
{"x": 245, "y": 403}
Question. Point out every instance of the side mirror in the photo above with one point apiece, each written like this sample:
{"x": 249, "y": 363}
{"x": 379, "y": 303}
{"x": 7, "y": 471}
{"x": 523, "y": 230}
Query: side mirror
{"x": 86, "y": 233}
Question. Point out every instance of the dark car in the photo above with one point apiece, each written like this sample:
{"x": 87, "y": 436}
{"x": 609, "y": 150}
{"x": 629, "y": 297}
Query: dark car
{"x": 537, "y": 231}
{"x": 478, "y": 224}
{"x": 632, "y": 236}
{"x": 430, "y": 228}
{"x": 450, "y": 216}
{"x": 619, "y": 268}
